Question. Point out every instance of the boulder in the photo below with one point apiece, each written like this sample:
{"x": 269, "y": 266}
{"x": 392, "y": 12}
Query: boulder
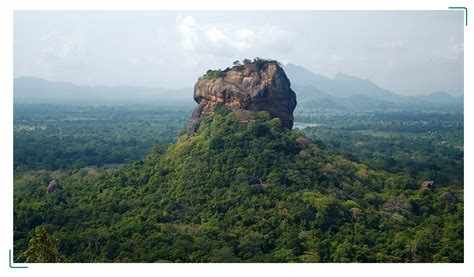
{"x": 428, "y": 185}
{"x": 53, "y": 185}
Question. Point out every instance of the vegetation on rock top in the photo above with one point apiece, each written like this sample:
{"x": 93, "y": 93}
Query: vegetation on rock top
{"x": 238, "y": 66}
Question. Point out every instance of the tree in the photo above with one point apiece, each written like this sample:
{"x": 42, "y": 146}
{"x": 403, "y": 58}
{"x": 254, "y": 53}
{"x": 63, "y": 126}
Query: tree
{"x": 247, "y": 61}
{"x": 40, "y": 249}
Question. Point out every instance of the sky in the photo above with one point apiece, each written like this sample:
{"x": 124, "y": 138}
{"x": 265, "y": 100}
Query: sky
{"x": 407, "y": 52}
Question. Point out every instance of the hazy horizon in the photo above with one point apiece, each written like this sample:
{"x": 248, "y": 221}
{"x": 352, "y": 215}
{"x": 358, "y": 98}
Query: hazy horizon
{"x": 423, "y": 54}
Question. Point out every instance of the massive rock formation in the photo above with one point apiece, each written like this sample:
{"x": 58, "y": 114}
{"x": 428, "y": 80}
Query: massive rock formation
{"x": 258, "y": 86}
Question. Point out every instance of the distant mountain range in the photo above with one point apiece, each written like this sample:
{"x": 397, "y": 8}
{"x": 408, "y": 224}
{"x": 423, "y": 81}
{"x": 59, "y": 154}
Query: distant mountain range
{"x": 37, "y": 90}
{"x": 344, "y": 91}
{"x": 314, "y": 92}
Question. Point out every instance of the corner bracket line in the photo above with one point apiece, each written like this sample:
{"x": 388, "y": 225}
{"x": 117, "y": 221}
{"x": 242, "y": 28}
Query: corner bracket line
{"x": 10, "y": 261}
{"x": 460, "y": 8}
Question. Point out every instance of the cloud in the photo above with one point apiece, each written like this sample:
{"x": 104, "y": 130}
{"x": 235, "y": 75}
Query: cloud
{"x": 147, "y": 61}
{"x": 396, "y": 44}
{"x": 59, "y": 52}
{"x": 335, "y": 59}
{"x": 62, "y": 46}
{"x": 187, "y": 26}
{"x": 225, "y": 41}
{"x": 456, "y": 48}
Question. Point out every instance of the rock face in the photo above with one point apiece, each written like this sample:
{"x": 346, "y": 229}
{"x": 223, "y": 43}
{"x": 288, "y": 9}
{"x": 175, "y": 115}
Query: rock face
{"x": 249, "y": 87}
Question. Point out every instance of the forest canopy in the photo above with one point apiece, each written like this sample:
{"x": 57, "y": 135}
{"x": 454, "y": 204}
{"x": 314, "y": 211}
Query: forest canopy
{"x": 240, "y": 193}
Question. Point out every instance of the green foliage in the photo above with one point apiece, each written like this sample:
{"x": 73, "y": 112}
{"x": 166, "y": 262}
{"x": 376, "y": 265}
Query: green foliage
{"x": 246, "y": 61}
{"x": 414, "y": 146}
{"x": 55, "y": 137}
{"x": 40, "y": 249}
{"x": 213, "y": 74}
{"x": 242, "y": 193}
{"x": 259, "y": 63}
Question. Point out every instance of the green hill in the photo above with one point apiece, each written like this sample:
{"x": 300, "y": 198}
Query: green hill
{"x": 238, "y": 192}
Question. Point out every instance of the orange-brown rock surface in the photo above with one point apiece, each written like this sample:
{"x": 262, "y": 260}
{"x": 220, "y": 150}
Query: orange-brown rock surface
{"x": 247, "y": 87}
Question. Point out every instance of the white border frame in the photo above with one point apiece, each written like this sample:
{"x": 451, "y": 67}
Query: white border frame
{"x": 7, "y": 7}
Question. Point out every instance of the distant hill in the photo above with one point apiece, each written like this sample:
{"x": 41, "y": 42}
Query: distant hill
{"x": 442, "y": 98}
{"x": 341, "y": 86}
{"x": 37, "y": 90}
{"x": 345, "y": 91}
{"x": 314, "y": 92}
